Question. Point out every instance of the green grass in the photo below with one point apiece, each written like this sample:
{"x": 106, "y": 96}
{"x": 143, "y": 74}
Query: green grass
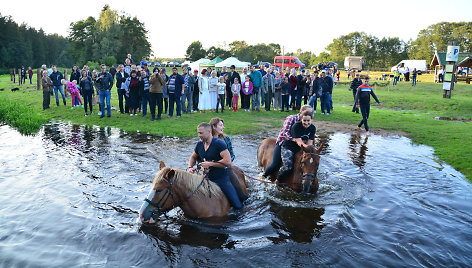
{"x": 408, "y": 109}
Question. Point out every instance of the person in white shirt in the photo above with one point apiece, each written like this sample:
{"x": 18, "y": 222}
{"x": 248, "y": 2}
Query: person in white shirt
{"x": 221, "y": 93}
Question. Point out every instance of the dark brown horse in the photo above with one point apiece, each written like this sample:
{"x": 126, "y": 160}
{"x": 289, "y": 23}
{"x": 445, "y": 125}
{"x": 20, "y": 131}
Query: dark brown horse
{"x": 305, "y": 166}
{"x": 197, "y": 196}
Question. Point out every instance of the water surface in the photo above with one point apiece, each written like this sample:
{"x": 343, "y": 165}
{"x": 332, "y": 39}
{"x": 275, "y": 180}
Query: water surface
{"x": 69, "y": 197}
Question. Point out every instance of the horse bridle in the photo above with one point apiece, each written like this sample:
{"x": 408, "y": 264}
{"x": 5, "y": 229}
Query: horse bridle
{"x": 310, "y": 176}
{"x": 158, "y": 205}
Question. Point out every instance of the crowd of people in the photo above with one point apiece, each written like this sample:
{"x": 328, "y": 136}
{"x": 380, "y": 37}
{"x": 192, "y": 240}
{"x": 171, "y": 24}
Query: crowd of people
{"x": 188, "y": 91}
{"x": 205, "y": 90}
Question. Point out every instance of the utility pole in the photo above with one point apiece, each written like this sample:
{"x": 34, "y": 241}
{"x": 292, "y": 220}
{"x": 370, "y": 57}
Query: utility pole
{"x": 449, "y": 78}
{"x": 283, "y": 59}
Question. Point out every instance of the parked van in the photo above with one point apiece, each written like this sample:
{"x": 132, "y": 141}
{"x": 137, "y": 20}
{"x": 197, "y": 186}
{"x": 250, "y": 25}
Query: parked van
{"x": 402, "y": 66}
{"x": 288, "y": 61}
{"x": 354, "y": 63}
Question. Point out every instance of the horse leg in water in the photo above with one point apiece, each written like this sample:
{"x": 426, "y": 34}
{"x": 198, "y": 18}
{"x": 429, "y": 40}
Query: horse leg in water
{"x": 237, "y": 186}
{"x": 287, "y": 163}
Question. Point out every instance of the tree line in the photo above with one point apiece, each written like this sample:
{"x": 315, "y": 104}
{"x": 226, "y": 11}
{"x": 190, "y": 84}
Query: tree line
{"x": 110, "y": 37}
{"x": 21, "y": 45}
{"x": 107, "y": 39}
{"x": 378, "y": 53}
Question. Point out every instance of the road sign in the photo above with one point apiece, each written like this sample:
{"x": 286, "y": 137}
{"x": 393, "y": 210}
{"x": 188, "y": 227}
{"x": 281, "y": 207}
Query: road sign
{"x": 452, "y": 53}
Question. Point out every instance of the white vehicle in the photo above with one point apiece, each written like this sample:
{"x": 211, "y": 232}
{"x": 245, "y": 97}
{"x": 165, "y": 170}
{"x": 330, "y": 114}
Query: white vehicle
{"x": 409, "y": 65}
{"x": 354, "y": 63}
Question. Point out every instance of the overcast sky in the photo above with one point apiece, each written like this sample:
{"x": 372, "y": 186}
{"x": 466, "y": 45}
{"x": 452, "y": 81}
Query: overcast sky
{"x": 309, "y": 25}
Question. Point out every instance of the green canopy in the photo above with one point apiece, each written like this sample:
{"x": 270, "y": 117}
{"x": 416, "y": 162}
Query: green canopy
{"x": 212, "y": 62}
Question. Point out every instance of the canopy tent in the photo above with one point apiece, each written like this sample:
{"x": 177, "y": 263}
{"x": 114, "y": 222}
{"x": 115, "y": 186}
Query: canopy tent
{"x": 232, "y": 61}
{"x": 212, "y": 62}
{"x": 196, "y": 64}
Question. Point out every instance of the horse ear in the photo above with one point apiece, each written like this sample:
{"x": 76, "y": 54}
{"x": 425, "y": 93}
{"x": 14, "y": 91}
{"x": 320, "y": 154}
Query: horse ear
{"x": 161, "y": 165}
{"x": 320, "y": 148}
{"x": 170, "y": 174}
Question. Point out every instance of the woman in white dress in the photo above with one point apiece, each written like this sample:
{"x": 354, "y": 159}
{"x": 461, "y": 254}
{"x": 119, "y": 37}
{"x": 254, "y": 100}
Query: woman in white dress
{"x": 204, "y": 102}
{"x": 213, "y": 85}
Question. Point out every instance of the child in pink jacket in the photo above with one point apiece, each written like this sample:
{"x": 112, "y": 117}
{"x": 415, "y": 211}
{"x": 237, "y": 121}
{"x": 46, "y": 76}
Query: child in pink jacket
{"x": 74, "y": 92}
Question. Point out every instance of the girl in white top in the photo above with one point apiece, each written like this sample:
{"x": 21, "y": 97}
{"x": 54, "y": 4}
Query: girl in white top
{"x": 204, "y": 102}
{"x": 213, "y": 86}
{"x": 221, "y": 93}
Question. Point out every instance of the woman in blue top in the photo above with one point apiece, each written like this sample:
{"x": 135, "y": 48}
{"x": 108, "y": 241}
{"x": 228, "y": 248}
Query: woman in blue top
{"x": 217, "y": 127}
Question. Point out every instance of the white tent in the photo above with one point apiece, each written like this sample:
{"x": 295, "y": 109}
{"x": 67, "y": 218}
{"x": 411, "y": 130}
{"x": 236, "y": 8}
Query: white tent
{"x": 232, "y": 61}
{"x": 196, "y": 64}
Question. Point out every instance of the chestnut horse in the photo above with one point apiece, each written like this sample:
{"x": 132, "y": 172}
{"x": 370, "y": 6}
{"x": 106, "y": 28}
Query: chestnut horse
{"x": 196, "y": 195}
{"x": 305, "y": 166}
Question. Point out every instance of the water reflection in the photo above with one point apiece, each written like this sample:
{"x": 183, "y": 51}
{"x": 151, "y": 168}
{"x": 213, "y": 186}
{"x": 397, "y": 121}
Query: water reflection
{"x": 187, "y": 233}
{"x": 358, "y": 148}
{"x": 298, "y": 224}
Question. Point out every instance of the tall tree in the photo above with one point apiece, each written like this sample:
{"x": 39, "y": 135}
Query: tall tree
{"x": 111, "y": 35}
{"x": 437, "y": 37}
{"x": 214, "y": 52}
{"x": 195, "y": 51}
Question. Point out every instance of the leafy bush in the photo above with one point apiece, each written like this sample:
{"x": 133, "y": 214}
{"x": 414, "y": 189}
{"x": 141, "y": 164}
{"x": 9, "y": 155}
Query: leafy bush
{"x": 93, "y": 65}
{"x": 110, "y": 60}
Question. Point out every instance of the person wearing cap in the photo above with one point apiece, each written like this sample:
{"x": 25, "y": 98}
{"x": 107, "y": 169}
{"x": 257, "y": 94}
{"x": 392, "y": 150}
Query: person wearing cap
{"x": 196, "y": 91}
{"x": 355, "y": 83}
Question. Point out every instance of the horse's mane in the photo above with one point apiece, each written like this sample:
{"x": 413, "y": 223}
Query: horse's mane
{"x": 191, "y": 182}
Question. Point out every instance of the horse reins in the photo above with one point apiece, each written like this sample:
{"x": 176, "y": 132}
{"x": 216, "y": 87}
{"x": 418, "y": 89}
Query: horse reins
{"x": 306, "y": 176}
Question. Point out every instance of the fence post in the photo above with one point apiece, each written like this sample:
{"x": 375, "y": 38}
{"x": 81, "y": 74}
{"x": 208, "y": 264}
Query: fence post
{"x": 39, "y": 76}
{"x": 19, "y": 77}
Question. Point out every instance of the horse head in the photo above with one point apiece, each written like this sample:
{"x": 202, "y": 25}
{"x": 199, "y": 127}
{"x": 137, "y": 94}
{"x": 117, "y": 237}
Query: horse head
{"x": 160, "y": 198}
{"x": 309, "y": 168}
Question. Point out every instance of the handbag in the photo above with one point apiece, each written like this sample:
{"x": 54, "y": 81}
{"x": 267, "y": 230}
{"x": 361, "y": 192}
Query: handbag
{"x": 95, "y": 100}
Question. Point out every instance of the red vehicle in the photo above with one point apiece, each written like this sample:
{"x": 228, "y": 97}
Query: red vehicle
{"x": 288, "y": 61}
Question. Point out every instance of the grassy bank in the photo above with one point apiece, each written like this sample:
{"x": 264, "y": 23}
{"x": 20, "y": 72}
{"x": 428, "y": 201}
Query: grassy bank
{"x": 408, "y": 109}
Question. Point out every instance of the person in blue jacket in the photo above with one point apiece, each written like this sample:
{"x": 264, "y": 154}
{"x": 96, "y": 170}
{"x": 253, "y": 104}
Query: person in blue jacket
{"x": 256, "y": 79}
{"x": 56, "y": 78}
